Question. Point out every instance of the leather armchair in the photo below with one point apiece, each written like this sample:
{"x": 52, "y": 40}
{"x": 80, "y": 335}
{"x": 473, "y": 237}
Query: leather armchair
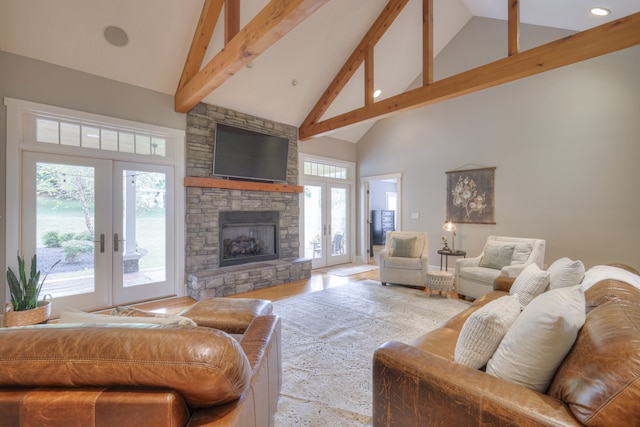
{"x": 405, "y": 270}
{"x": 474, "y": 281}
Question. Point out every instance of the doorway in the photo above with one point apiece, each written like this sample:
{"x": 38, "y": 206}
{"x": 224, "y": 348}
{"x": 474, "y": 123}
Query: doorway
{"x": 106, "y": 225}
{"x": 381, "y": 212}
{"x": 327, "y": 206}
{"x": 326, "y": 223}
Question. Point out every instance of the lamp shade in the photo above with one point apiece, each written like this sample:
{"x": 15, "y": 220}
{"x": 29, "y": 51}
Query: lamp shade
{"x": 449, "y": 226}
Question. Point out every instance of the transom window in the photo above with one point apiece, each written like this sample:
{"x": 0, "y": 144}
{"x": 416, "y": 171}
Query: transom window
{"x": 326, "y": 170}
{"x": 53, "y": 131}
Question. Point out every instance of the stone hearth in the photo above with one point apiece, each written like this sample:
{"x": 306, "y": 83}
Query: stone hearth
{"x": 205, "y": 276}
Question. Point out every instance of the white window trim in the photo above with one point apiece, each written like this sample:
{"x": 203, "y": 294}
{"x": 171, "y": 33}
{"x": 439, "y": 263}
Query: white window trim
{"x": 16, "y": 112}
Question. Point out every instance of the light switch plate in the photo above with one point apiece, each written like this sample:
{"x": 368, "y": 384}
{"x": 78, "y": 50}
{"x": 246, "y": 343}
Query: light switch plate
{"x": 415, "y": 215}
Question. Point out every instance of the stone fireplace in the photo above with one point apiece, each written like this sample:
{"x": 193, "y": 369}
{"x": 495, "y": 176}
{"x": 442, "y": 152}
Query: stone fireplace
{"x": 248, "y": 237}
{"x": 209, "y": 273}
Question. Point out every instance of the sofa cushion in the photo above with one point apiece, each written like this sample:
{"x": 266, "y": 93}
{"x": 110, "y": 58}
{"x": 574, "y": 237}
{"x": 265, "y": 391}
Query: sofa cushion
{"x": 484, "y": 329}
{"x": 565, "y": 273}
{"x": 540, "y": 338}
{"x": 404, "y": 248}
{"x": 530, "y": 283}
{"x": 521, "y": 253}
{"x": 497, "y": 256}
{"x": 600, "y": 379}
{"x": 403, "y": 263}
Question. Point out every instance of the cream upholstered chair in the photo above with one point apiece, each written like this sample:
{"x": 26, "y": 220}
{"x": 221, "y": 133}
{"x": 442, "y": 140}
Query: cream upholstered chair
{"x": 403, "y": 261}
{"x": 475, "y": 276}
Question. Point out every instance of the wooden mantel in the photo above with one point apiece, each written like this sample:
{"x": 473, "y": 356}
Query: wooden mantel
{"x": 194, "y": 181}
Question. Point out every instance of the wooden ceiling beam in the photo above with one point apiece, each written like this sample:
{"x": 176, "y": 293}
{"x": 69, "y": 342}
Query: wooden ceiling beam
{"x": 275, "y": 20}
{"x": 201, "y": 38}
{"x": 514, "y": 27}
{"x": 427, "y": 42}
{"x": 620, "y": 34}
{"x": 231, "y": 19}
{"x": 368, "y": 76}
{"x": 375, "y": 33}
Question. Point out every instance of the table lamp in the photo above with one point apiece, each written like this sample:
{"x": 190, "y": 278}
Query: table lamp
{"x": 450, "y": 226}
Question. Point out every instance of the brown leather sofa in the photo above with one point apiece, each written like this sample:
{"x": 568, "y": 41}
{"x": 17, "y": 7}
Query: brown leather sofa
{"x": 597, "y": 384}
{"x": 146, "y": 375}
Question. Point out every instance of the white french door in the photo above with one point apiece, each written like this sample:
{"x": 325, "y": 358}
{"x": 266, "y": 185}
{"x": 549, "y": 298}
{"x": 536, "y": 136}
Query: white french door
{"x": 107, "y": 224}
{"x": 326, "y": 223}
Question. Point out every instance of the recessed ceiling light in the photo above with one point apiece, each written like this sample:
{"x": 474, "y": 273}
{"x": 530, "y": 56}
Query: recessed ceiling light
{"x": 600, "y": 11}
{"x": 377, "y": 93}
{"x": 116, "y": 36}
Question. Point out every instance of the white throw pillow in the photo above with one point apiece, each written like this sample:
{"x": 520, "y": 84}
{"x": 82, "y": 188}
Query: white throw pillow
{"x": 565, "y": 273}
{"x": 484, "y": 329}
{"x": 70, "y": 315}
{"x": 530, "y": 283}
{"x": 540, "y": 338}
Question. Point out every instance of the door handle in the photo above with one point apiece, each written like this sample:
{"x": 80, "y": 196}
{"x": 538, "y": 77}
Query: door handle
{"x": 102, "y": 243}
{"x": 116, "y": 242}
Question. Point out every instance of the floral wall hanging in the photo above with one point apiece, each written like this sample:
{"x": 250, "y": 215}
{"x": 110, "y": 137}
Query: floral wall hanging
{"x": 470, "y": 196}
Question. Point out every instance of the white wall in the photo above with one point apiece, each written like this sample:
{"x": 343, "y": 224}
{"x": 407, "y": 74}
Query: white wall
{"x": 566, "y": 145}
{"x": 332, "y": 148}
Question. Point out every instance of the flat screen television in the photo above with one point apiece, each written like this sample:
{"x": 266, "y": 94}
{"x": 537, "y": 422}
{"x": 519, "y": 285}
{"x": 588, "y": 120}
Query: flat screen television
{"x": 244, "y": 154}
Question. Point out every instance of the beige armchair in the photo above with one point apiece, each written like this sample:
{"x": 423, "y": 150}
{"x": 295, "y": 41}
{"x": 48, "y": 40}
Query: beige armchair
{"x": 475, "y": 276}
{"x": 403, "y": 260}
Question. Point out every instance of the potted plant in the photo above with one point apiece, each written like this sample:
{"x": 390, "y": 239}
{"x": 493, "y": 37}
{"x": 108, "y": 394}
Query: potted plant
{"x": 25, "y": 309}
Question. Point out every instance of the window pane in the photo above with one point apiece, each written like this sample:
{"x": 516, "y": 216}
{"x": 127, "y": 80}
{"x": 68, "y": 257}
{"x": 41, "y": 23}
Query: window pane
{"x": 69, "y": 134}
{"x": 126, "y": 143}
{"x": 90, "y": 137}
{"x": 143, "y": 144}
{"x": 109, "y": 140}
{"x": 47, "y": 131}
{"x": 65, "y": 221}
{"x": 158, "y": 147}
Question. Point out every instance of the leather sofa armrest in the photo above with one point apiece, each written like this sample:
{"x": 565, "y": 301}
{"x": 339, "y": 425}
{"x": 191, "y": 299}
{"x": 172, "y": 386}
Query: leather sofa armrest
{"x": 503, "y": 283}
{"x": 261, "y": 331}
{"x": 413, "y": 388}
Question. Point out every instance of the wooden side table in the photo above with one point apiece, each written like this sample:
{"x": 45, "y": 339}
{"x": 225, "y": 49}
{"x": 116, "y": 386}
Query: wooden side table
{"x": 447, "y": 254}
{"x": 440, "y": 281}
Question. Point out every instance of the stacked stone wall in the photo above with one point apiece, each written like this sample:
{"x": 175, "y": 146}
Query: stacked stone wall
{"x": 205, "y": 276}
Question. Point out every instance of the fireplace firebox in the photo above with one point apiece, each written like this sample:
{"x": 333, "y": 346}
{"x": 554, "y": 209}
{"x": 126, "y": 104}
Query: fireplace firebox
{"x": 248, "y": 236}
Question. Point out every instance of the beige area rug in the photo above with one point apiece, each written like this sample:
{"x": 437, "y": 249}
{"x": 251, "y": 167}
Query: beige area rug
{"x": 348, "y": 269}
{"x": 328, "y": 341}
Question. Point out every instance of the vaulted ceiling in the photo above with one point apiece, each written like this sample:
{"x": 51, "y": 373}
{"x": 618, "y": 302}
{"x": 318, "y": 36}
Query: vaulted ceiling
{"x": 283, "y": 83}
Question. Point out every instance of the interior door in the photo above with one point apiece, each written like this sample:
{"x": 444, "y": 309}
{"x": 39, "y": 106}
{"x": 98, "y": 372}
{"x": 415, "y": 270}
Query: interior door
{"x": 108, "y": 225}
{"x": 326, "y": 224}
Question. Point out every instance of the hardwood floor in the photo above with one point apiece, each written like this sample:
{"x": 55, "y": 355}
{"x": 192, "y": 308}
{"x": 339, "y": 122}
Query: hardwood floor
{"x": 317, "y": 282}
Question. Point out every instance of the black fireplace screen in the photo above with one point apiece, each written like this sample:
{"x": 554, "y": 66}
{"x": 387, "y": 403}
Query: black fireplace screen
{"x": 248, "y": 237}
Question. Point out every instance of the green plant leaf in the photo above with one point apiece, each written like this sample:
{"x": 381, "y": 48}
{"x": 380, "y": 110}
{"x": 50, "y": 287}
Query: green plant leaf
{"x": 25, "y": 292}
